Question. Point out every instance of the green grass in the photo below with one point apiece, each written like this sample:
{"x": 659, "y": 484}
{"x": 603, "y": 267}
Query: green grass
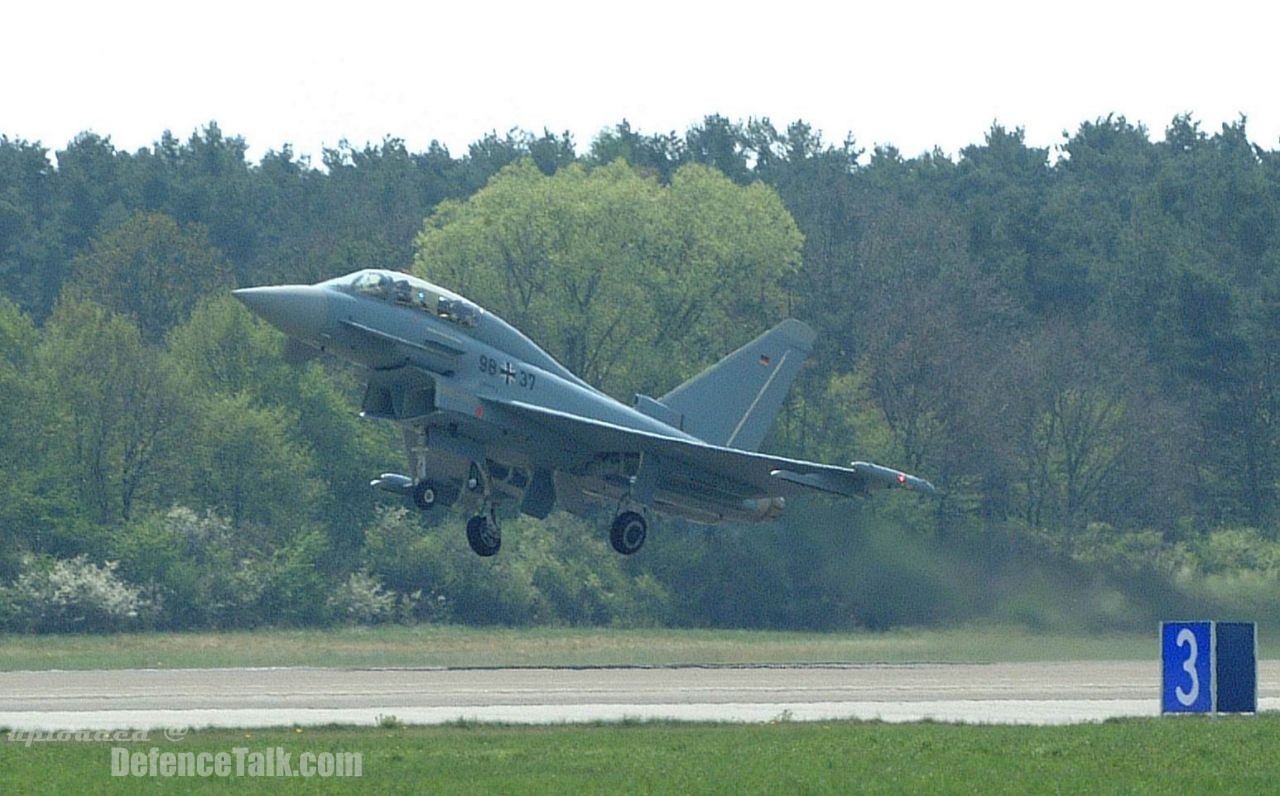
{"x": 420, "y": 646}
{"x": 1134, "y": 756}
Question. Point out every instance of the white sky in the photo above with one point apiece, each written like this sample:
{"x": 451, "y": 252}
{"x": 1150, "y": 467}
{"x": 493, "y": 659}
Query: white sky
{"x": 911, "y": 73}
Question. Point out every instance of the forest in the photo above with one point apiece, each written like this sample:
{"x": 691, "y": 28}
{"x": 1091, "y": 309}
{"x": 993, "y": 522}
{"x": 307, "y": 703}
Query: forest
{"x": 1080, "y": 346}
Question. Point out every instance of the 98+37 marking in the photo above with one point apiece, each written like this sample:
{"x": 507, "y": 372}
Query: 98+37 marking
{"x": 508, "y": 373}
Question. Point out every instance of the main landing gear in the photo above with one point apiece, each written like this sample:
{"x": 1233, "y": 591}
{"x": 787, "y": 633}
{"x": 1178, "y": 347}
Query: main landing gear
{"x": 628, "y": 532}
{"x": 483, "y": 534}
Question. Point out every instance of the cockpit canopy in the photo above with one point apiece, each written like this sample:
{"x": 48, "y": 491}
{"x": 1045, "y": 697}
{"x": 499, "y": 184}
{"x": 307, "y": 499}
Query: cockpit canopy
{"x": 412, "y": 292}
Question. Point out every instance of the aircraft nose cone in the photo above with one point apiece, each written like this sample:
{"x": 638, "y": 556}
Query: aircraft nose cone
{"x": 300, "y": 311}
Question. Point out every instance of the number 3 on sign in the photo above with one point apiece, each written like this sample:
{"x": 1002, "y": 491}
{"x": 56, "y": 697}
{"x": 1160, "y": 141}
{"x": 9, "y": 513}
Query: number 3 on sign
{"x": 1186, "y": 652}
{"x": 1188, "y": 639}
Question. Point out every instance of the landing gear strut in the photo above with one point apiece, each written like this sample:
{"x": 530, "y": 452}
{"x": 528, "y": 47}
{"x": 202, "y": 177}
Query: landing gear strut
{"x": 483, "y": 534}
{"x": 628, "y": 532}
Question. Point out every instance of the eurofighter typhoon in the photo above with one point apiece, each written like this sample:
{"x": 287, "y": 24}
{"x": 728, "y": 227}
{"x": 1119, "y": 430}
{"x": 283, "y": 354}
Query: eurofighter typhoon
{"x": 489, "y": 417}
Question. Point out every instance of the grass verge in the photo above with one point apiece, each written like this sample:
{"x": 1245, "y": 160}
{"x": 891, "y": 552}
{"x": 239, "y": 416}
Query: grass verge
{"x": 1184, "y": 755}
{"x": 433, "y": 645}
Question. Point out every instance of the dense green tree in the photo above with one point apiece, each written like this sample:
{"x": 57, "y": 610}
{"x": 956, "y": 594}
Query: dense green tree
{"x": 207, "y": 181}
{"x": 32, "y": 251}
{"x": 225, "y": 355}
{"x": 659, "y": 154}
{"x": 152, "y": 270}
{"x": 243, "y": 461}
{"x": 1002, "y": 186}
{"x": 718, "y": 143}
{"x": 20, "y": 449}
{"x": 90, "y": 177}
{"x": 195, "y": 565}
{"x": 1080, "y": 425}
{"x": 110, "y": 410}
{"x": 628, "y": 282}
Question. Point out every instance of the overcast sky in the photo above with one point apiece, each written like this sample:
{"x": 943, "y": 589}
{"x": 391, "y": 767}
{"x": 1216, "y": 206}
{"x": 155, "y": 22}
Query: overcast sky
{"x": 909, "y": 73}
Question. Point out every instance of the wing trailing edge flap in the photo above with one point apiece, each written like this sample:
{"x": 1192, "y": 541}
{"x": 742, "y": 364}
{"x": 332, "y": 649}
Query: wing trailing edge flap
{"x": 747, "y": 473}
{"x": 742, "y": 474}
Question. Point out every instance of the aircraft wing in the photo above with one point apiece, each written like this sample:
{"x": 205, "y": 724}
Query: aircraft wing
{"x": 742, "y": 473}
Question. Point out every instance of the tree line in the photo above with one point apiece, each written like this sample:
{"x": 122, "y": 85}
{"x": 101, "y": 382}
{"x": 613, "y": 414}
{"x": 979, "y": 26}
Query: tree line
{"x": 1080, "y": 347}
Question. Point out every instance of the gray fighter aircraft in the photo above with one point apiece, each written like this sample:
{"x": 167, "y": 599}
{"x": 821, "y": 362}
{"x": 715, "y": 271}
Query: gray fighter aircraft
{"x": 488, "y": 416}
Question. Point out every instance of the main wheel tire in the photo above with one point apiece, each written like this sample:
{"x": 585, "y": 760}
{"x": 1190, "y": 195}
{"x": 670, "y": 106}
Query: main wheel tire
{"x": 425, "y": 495}
{"x": 628, "y": 532}
{"x": 483, "y": 535}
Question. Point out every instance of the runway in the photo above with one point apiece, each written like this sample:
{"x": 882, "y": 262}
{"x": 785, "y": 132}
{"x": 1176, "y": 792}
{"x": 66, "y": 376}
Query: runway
{"x": 1017, "y": 693}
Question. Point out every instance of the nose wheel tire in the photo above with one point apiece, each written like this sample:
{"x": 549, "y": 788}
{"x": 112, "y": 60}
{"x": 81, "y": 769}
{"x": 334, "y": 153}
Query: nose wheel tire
{"x": 425, "y": 495}
{"x": 483, "y": 535}
{"x": 628, "y": 532}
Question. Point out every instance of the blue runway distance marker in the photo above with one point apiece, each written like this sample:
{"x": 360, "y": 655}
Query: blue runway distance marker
{"x": 1187, "y": 654}
{"x": 1235, "y": 667}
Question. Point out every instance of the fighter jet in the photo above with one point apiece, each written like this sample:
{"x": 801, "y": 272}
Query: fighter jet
{"x": 488, "y": 417}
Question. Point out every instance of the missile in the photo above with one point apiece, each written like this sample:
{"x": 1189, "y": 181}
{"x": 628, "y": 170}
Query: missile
{"x": 394, "y": 483}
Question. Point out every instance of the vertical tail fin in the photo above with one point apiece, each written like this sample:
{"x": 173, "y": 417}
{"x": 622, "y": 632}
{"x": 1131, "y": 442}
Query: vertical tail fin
{"x": 733, "y": 402}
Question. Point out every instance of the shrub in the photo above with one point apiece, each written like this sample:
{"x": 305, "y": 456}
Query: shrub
{"x": 362, "y": 600}
{"x": 294, "y": 591}
{"x": 1235, "y": 550}
{"x": 198, "y": 564}
{"x": 72, "y": 595}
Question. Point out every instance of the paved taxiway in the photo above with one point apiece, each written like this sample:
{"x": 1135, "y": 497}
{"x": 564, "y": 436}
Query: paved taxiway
{"x": 1033, "y": 693}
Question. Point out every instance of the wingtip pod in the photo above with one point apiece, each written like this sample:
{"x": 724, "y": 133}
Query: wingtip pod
{"x": 889, "y": 478}
{"x": 860, "y": 480}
